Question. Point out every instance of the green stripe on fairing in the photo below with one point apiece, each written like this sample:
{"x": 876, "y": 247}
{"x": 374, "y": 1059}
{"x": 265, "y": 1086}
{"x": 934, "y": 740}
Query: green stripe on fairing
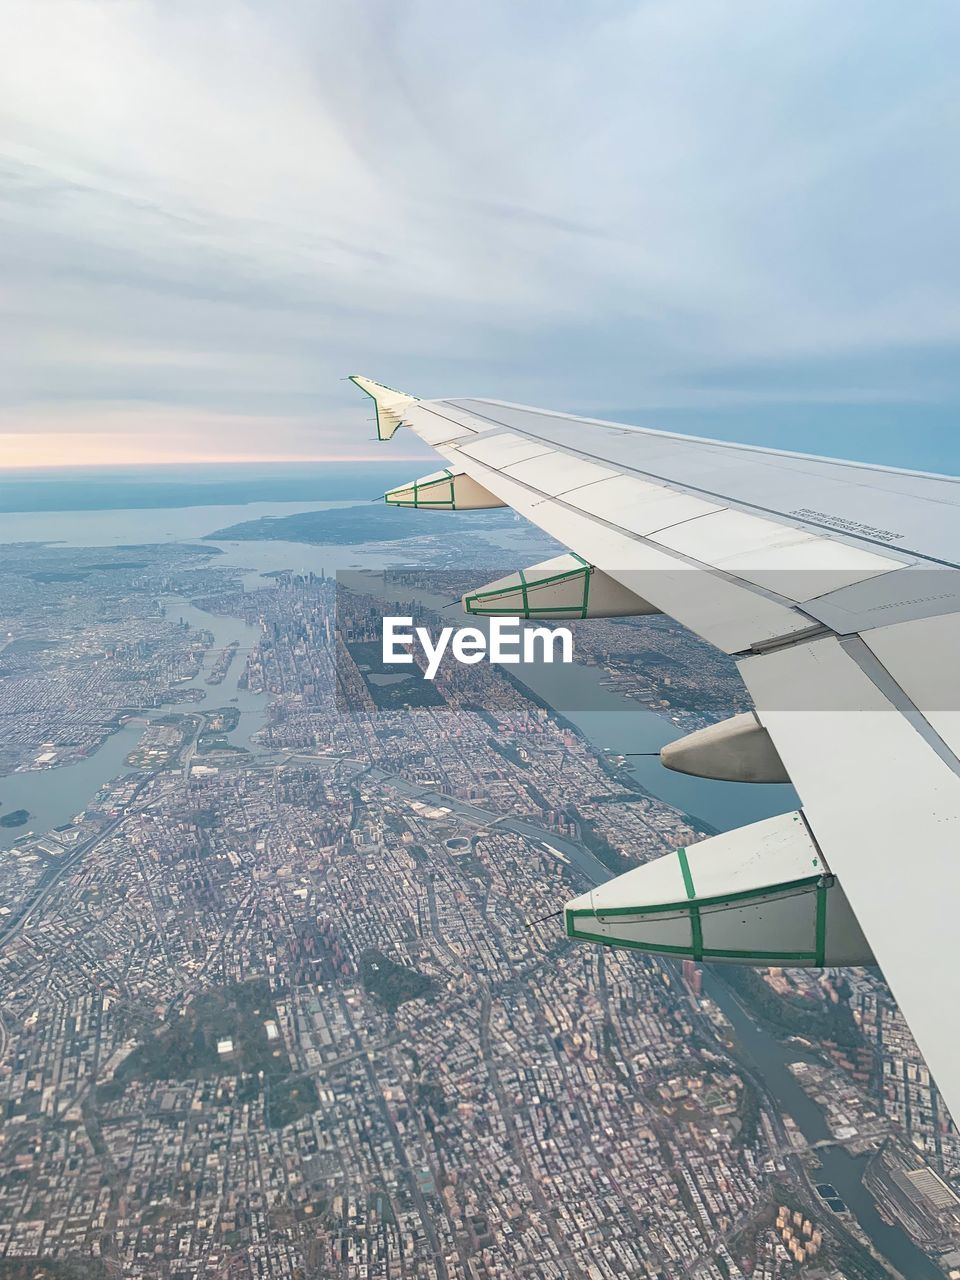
{"x": 769, "y": 957}
{"x": 626, "y": 942}
{"x": 744, "y": 895}
{"x": 531, "y": 614}
{"x": 685, "y": 872}
{"x": 417, "y": 487}
{"x": 566, "y": 575}
{"x": 696, "y": 928}
{"x": 696, "y": 950}
{"x": 821, "y": 924}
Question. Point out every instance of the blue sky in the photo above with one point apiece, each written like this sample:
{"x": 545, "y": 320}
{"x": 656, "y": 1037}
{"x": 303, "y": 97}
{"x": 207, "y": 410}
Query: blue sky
{"x": 735, "y": 219}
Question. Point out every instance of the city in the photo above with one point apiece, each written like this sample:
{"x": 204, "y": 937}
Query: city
{"x": 299, "y": 1006}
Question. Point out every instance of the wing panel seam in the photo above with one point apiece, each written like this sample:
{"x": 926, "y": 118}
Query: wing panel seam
{"x": 882, "y": 679}
{"x": 762, "y": 592}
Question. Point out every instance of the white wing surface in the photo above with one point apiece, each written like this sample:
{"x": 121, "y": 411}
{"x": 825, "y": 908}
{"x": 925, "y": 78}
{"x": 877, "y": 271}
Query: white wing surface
{"x": 836, "y": 587}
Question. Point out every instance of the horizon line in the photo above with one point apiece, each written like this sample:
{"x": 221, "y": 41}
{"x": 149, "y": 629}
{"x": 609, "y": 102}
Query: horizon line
{"x": 7, "y": 468}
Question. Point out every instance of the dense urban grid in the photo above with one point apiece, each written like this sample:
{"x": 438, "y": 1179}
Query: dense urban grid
{"x": 299, "y": 1006}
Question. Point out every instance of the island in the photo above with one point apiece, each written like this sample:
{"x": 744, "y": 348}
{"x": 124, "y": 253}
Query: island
{"x": 351, "y": 526}
{"x": 15, "y": 818}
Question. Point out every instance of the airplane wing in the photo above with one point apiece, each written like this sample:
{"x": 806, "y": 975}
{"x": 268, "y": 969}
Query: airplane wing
{"x": 835, "y": 587}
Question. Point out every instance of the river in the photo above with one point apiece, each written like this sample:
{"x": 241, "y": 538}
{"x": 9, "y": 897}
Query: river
{"x": 612, "y": 722}
{"x": 617, "y": 725}
{"x": 53, "y": 796}
{"x": 770, "y": 1059}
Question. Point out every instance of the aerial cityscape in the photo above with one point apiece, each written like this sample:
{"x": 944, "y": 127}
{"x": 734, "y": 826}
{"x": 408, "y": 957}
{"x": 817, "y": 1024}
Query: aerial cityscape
{"x": 341, "y": 938}
{"x": 282, "y": 988}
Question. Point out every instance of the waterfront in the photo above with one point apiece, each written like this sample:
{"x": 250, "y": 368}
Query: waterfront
{"x": 769, "y": 1059}
{"x": 620, "y": 726}
{"x": 52, "y": 797}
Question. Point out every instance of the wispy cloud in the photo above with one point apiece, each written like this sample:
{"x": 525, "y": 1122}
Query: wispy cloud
{"x": 212, "y": 212}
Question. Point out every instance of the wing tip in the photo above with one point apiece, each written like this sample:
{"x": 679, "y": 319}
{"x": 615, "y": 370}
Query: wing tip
{"x": 390, "y": 403}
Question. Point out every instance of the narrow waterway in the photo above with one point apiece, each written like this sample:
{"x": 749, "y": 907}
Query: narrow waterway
{"x": 253, "y": 707}
{"x": 770, "y": 1059}
{"x": 620, "y": 726}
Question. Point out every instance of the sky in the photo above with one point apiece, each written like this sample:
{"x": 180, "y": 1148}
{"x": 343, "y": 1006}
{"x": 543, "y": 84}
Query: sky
{"x": 729, "y": 217}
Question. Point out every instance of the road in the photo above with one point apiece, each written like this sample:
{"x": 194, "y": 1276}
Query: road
{"x": 516, "y": 1146}
{"x": 45, "y": 887}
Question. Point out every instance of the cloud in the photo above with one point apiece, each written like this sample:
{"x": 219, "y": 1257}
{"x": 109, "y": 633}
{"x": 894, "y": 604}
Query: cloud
{"x": 211, "y": 213}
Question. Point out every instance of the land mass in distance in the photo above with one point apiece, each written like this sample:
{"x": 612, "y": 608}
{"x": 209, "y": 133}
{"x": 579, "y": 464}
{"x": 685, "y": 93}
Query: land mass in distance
{"x": 350, "y": 526}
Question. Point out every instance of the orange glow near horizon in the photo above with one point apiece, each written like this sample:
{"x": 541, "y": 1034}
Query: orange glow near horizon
{"x": 52, "y": 449}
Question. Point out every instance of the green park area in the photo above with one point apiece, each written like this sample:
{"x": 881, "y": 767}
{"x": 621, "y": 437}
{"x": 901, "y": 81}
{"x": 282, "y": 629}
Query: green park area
{"x": 392, "y": 983}
{"x": 52, "y": 1269}
{"x": 393, "y": 684}
{"x": 191, "y": 1044}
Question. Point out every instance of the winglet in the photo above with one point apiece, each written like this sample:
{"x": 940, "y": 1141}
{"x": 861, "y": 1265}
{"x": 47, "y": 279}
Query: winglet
{"x": 390, "y": 404}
